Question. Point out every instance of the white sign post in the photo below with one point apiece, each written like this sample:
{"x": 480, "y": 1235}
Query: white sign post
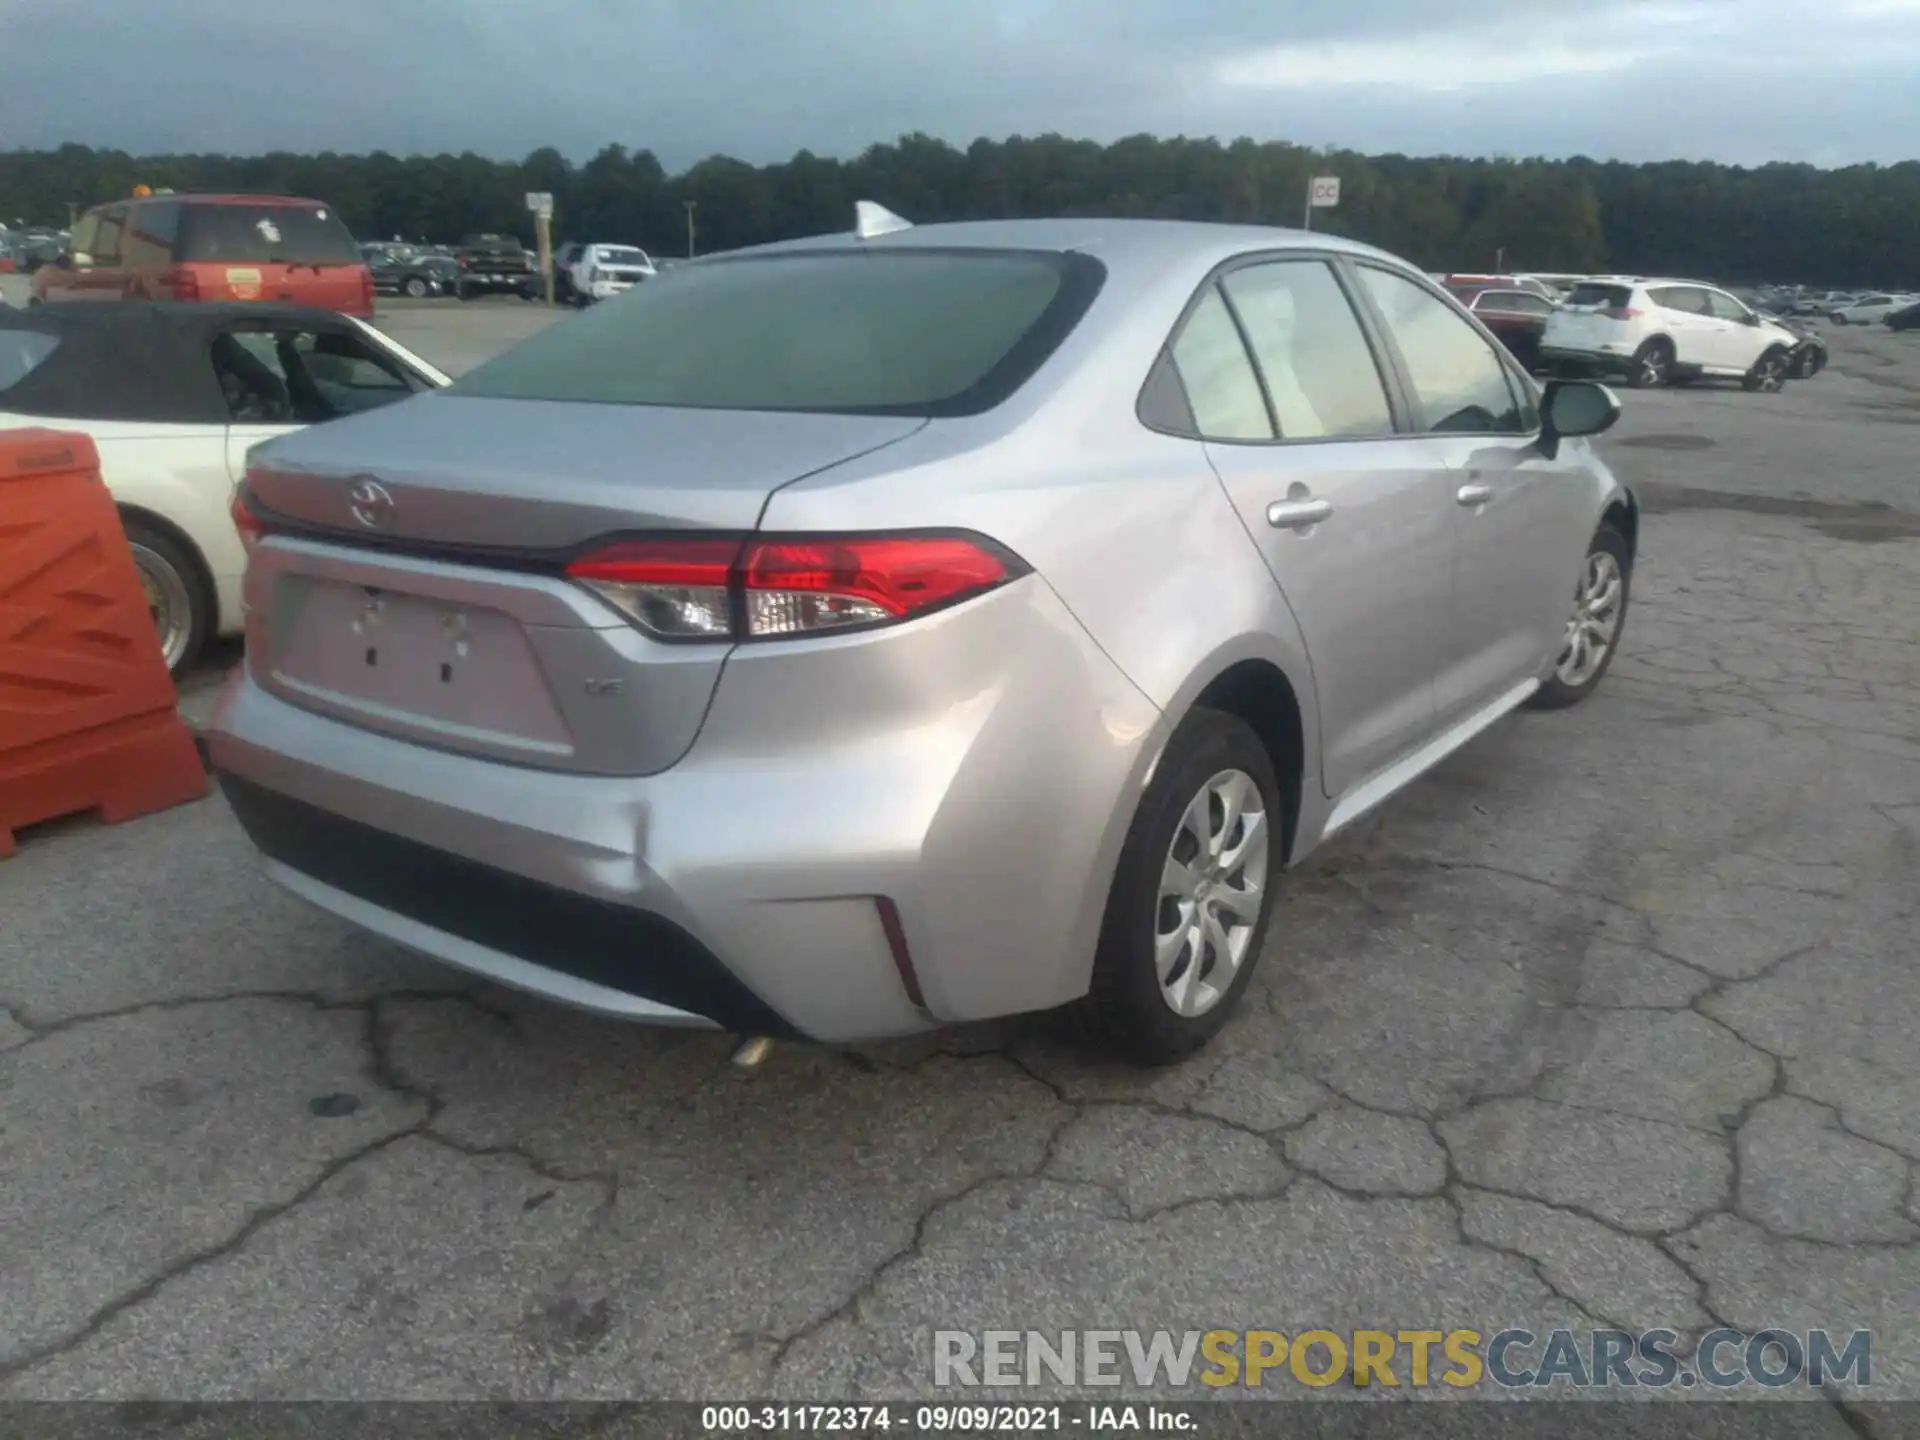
{"x": 1323, "y": 193}
{"x": 540, "y": 202}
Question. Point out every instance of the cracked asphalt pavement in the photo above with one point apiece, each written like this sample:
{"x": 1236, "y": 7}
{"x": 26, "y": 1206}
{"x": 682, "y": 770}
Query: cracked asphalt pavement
{"x": 1608, "y": 1021}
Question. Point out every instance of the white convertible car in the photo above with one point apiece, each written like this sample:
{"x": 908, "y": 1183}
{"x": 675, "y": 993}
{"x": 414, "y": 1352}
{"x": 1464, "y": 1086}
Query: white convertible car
{"x": 174, "y": 396}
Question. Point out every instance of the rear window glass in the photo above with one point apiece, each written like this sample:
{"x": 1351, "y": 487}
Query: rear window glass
{"x": 918, "y": 332}
{"x": 1611, "y": 296}
{"x": 21, "y": 353}
{"x": 264, "y": 235}
{"x": 619, "y": 255}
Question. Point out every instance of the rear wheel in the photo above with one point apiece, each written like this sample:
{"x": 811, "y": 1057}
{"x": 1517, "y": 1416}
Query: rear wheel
{"x": 176, "y": 595}
{"x": 1652, "y": 365}
{"x": 415, "y": 286}
{"x": 1191, "y": 897}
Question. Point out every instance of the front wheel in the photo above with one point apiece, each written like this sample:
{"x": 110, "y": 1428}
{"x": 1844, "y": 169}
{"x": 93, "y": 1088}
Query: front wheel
{"x": 1593, "y": 631}
{"x": 1769, "y": 373}
{"x": 177, "y": 598}
{"x": 1191, "y": 896}
{"x": 416, "y": 287}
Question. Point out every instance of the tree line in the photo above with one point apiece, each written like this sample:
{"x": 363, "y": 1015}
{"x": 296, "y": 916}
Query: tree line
{"x": 1855, "y": 226}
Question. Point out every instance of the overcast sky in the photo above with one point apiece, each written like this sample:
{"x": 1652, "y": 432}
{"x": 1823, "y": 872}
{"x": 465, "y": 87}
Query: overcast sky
{"x": 1744, "y": 81}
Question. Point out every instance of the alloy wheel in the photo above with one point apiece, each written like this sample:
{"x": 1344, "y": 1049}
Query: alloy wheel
{"x": 1596, "y": 620}
{"x": 1212, "y": 888}
{"x": 1770, "y": 374}
{"x": 168, "y": 602}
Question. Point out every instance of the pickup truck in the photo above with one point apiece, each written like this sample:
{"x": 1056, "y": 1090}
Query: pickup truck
{"x": 495, "y": 262}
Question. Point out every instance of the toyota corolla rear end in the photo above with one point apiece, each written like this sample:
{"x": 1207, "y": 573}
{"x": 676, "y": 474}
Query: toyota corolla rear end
{"x": 532, "y": 689}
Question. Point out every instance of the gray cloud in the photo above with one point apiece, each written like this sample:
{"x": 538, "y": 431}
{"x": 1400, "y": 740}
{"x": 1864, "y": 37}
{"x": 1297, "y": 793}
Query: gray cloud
{"x": 1739, "y": 80}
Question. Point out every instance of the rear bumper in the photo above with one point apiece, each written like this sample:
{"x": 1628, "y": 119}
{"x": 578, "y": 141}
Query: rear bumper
{"x": 1606, "y": 361}
{"x": 975, "y": 771}
{"x": 494, "y": 922}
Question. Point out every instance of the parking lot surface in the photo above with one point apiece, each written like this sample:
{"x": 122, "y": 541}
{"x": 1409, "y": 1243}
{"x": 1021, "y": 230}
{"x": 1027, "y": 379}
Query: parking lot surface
{"x": 1608, "y": 1021}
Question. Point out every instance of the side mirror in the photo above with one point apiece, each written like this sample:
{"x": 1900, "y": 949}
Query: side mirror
{"x": 1573, "y": 408}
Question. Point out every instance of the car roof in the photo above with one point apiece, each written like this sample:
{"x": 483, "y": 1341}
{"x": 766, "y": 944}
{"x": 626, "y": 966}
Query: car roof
{"x": 1126, "y": 242}
{"x": 138, "y": 360}
{"x": 210, "y": 199}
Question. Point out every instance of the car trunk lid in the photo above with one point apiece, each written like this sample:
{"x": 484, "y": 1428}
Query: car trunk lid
{"x": 411, "y": 579}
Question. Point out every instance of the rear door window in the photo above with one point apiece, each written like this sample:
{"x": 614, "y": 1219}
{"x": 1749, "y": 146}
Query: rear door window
{"x": 877, "y": 332}
{"x": 1319, "y": 370}
{"x": 264, "y": 235}
{"x": 1684, "y": 298}
{"x": 1218, "y": 376}
{"x": 1458, "y": 378}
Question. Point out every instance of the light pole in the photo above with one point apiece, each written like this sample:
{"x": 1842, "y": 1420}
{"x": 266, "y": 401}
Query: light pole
{"x": 689, "y": 204}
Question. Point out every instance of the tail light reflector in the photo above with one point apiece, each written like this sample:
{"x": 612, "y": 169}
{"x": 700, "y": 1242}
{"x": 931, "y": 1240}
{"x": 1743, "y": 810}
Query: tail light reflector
{"x": 366, "y": 289}
{"x": 244, "y": 520}
{"x": 765, "y": 588}
{"x": 1621, "y": 312}
{"x": 180, "y": 284}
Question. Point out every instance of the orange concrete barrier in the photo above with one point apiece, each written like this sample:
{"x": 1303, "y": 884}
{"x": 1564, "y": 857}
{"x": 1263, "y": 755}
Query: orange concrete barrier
{"x": 87, "y": 718}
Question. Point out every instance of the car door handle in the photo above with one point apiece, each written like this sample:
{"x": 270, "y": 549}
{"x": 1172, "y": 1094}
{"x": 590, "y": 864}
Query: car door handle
{"x": 1473, "y": 494}
{"x": 1298, "y": 514}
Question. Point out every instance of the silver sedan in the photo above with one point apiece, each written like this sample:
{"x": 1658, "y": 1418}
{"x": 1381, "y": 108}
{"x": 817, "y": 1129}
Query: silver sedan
{"x": 881, "y": 631}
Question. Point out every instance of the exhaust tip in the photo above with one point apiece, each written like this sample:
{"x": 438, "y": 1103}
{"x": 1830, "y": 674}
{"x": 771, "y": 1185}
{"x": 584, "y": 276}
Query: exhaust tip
{"x": 751, "y": 1051}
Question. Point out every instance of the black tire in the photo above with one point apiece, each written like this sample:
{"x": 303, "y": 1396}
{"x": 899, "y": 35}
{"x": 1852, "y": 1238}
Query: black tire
{"x": 463, "y": 290}
{"x": 157, "y": 553}
{"x": 1769, "y": 373}
{"x": 1652, "y": 365}
{"x": 415, "y": 286}
{"x": 1124, "y": 1010}
{"x": 1556, "y": 693}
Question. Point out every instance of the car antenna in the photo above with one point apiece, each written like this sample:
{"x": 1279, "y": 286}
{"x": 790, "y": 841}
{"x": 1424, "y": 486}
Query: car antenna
{"x": 870, "y": 220}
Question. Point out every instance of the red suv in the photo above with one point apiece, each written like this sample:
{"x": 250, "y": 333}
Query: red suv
{"x": 212, "y": 247}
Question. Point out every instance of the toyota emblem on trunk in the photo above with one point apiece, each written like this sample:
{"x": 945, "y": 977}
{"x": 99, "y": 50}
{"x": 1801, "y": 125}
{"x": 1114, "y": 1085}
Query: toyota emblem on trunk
{"x": 371, "y": 503}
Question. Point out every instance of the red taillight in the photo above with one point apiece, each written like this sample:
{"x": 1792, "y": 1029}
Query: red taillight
{"x": 366, "y": 289}
{"x": 244, "y": 520}
{"x": 181, "y": 284}
{"x": 1621, "y": 312}
{"x": 763, "y": 588}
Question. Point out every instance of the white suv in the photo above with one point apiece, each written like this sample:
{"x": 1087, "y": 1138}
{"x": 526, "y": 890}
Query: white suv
{"x": 1654, "y": 331}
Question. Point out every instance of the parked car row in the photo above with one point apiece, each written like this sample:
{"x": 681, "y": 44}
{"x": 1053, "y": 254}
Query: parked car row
{"x": 287, "y": 249}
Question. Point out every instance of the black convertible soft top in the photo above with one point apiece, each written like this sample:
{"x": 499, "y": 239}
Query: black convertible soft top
{"x": 138, "y": 360}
